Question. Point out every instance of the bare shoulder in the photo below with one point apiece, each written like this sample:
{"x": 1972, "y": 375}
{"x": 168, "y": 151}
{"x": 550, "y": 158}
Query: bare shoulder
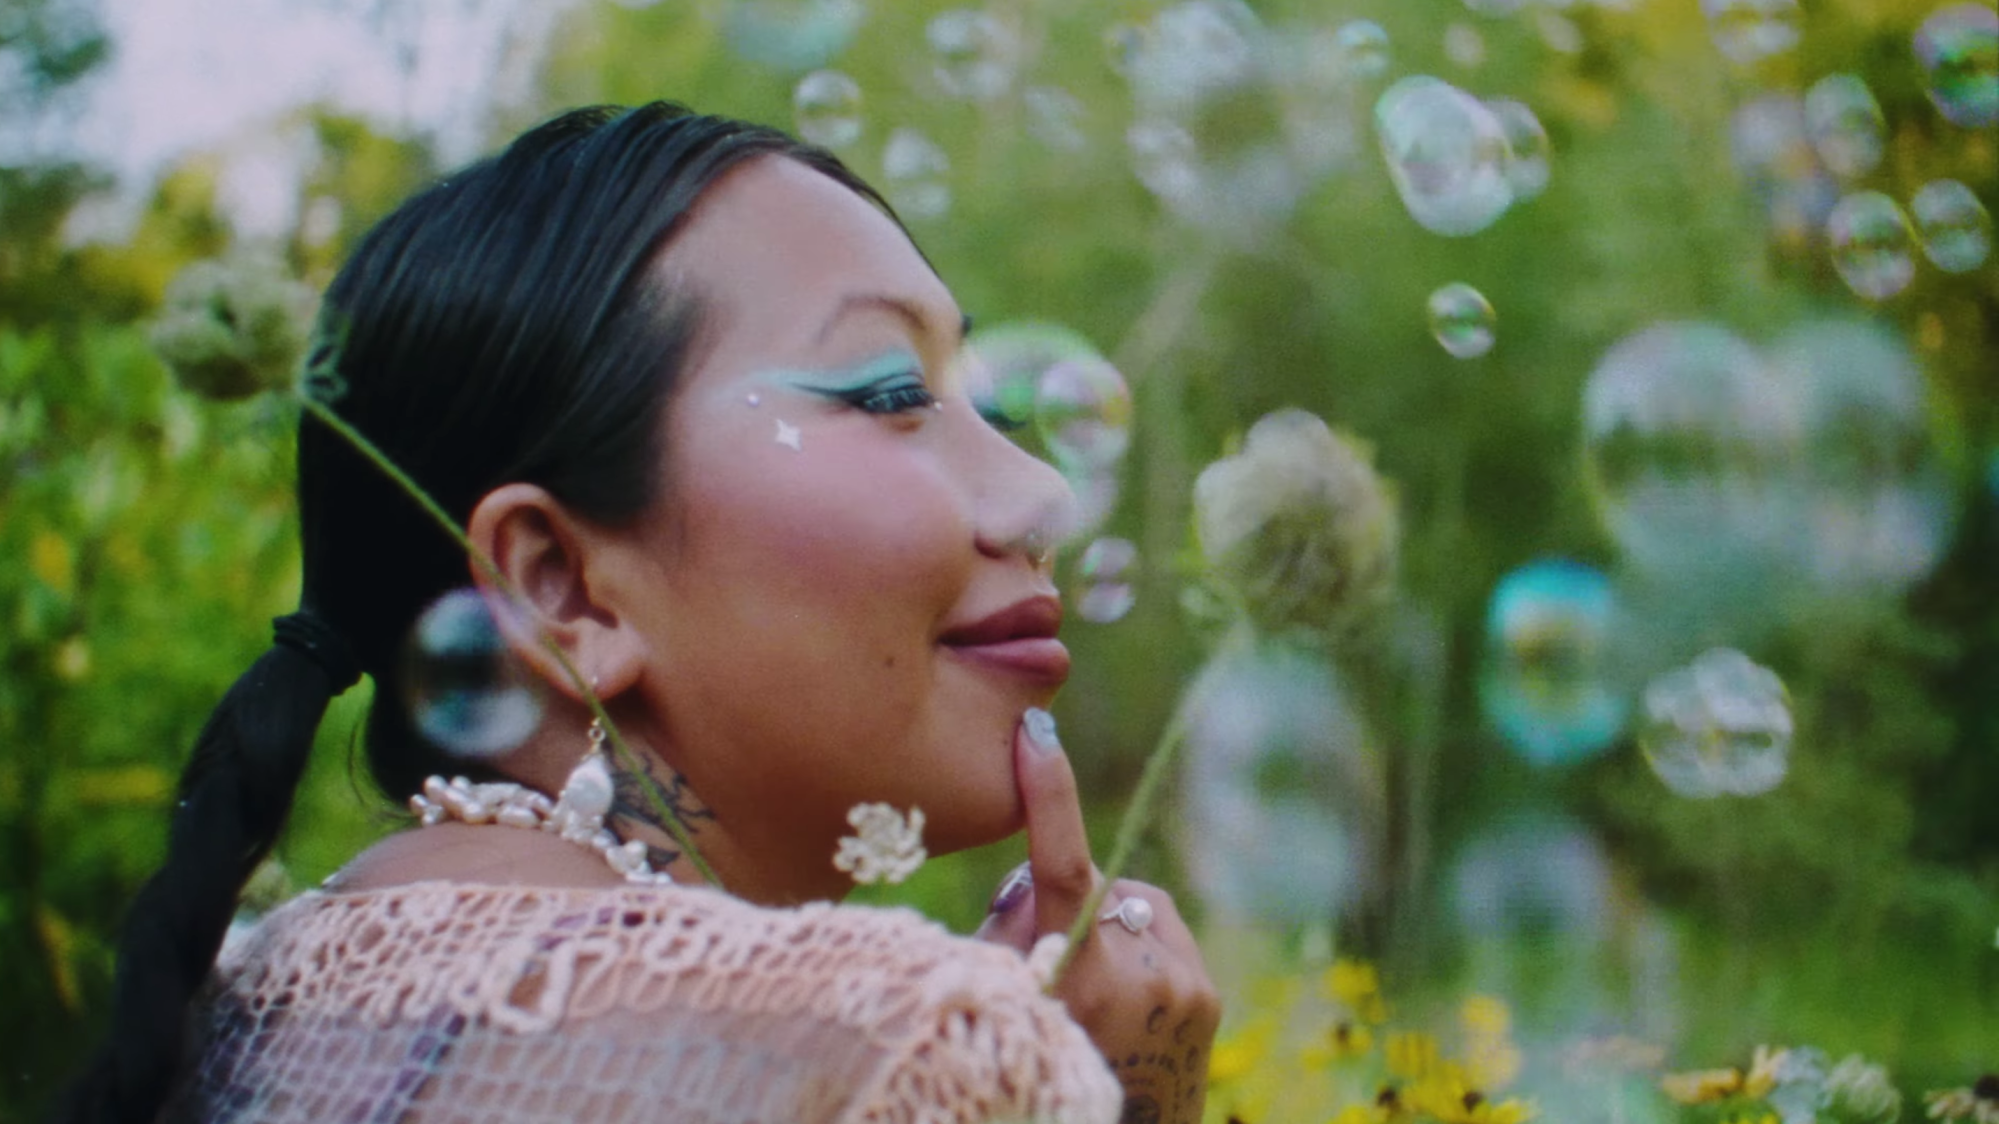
{"x": 462, "y": 853}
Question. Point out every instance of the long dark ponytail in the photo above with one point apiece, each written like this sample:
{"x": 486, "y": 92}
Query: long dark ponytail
{"x": 503, "y": 325}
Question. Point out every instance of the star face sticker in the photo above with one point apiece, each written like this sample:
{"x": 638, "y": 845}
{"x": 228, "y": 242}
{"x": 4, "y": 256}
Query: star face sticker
{"x": 787, "y": 435}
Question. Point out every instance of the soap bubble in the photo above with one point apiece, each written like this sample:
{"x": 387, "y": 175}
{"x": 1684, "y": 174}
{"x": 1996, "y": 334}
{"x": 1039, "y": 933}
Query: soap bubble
{"x": 1083, "y": 411}
{"x": 1845, "y": 125}
{"x": 794, "y": 35}
{"x": 1870, "y": 244}
{"x": 1719, "y": 726}
{"x": 977, "y": 55}
{"x": 1124, "y": 45}
{"x": 1363, "y": 50}
{"x": 913, "y": 172}
{"x": 1959, "y": 49}
{"x": 1546, "y": 682}
{"x": 827, "y": 105}
{"x": 1558, "y": 32}
{"x": 1446, "y": 153}
{"x": 1462, "y": 320}
{"x": 1533, "y": 899}
{"x": 1688, "y": 440}
{"x": 1954, "y": 227}
{"x": 466, "y": 692}
{"x": 1874, "y": 505}
{"x": 1746, "y": 31}
{"x": 1284, "y": 802}
{"x": 1104, "y": 574}
{"x": 1464, "y": 46}
{"x": 1196, "y": 50}
{"x": 1526, "y": 147}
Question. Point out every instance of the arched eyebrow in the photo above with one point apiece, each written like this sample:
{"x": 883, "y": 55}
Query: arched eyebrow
{"x": 909, "y": 312}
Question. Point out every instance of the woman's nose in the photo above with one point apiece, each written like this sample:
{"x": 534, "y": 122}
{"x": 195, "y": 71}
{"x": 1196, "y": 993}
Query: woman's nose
{"x": 1025, "y": 506}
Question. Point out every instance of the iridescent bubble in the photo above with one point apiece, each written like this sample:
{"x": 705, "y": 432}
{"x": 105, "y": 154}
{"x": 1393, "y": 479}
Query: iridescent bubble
{"x": 1464, "y": 46}
{"x": 1446, "y": 153}
{"x": 1953, "y": 226}
{"x": 466, "y": 692}
{"x": 1871, "y": 245}
{"x": 1558, "y": 32}
{"x": 1546, "y": 682}
{"x": 1689, "y": 442}
{"x": 1959, "y": 49}
{"x": 1720, "y": 726}
{"x": 1534, "y": 899}
{"x": 1283, "y": 805}
{"x": 1746, "y": 31}
{"x": 1103, "y": 581}
{"x": 1873, "y": 504}
{"x": 1526, "y": 148}
{"x": 827, "y": 108}
{"x": 1083, "y": 411}
{"x": 1462, "y": 320}
{"x": 793, "y": 35}
{"x": 1844, "y": 124}
{"x": 913, "y": 173}
{"x": 1363, "y": 50}
{"x": 977, "y": 55}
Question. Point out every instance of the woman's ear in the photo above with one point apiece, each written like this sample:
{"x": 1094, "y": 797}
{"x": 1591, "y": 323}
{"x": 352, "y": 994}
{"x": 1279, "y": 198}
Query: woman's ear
{"x": 546, "y": 554}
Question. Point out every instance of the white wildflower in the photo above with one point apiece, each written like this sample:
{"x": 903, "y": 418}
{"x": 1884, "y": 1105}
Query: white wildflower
{"x": 1862, "y": 1091}
{"x": 887, "y": 848}
{"x": 230, "y": 328}
{"x": 1298, "y": 527}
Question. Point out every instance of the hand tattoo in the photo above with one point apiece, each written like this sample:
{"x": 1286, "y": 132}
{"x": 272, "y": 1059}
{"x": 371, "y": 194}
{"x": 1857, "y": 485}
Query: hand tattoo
{"x": 1141, "y": 1110}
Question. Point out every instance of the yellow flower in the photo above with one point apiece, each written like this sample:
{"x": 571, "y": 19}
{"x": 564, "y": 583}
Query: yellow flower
{"x": 1412, "y": 1055}
{"x": 1356, "y": 984}
{"x": 1485, "y": 1016}
{"x": 1702, "y": 1086}
{"x": 1362, "y": 1114}
{"x": 1237, "y": 1055}
{"x": 1344, "y": 1040}
{"x": 1493, "y": 1064}
{"x": 1509, "y": 1111}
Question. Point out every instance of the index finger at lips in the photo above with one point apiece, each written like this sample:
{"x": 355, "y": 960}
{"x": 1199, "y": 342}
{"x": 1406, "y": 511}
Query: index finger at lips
{"x": 1058, "y": 849}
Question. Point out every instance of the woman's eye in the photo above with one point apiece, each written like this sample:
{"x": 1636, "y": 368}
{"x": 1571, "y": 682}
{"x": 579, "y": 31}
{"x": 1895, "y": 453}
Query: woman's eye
{"x": 894, "y": 396}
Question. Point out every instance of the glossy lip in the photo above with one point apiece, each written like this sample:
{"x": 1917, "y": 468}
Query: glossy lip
{"x": 1019, "y": 640}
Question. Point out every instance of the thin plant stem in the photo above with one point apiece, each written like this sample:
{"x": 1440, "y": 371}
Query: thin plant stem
{"x": 1137, "y": 817}
{"x": 492, "y": 571}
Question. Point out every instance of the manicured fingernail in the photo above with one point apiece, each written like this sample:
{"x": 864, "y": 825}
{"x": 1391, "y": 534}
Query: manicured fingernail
{"x": 1041, "y": 730}
{"x": 1012, "y": 890}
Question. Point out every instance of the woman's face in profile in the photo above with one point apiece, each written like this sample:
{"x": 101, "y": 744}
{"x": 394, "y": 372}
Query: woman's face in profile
{"x": 842, "y": 598}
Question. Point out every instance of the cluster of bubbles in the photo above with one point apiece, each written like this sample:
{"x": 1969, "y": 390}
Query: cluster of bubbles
{"x": 1720, "y": 726}
{"x": 1873, "y": 244}
{"x": 1711, "y": 459}
{"x": 1062, "y": 400}
{"x": 466, "y": 692}
{"x": 826, "y": 106}
{"x": 916, "y": 175}
{"x": 977, "y": 56}
{"x": 1546, "y": 682}
{"x": 1283, "y": 800}
{"x": 1462, "y": 320}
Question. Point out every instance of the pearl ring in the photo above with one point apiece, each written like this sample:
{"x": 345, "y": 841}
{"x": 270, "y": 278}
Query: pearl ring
{"x": 1134, "y": 913}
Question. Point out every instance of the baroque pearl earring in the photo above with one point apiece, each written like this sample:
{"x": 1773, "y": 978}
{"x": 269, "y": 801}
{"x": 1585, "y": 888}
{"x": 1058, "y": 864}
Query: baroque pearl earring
{"x": 577, "y": 814}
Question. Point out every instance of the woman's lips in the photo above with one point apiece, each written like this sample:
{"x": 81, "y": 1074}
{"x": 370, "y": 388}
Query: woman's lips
{"x": 1039, "y": 659}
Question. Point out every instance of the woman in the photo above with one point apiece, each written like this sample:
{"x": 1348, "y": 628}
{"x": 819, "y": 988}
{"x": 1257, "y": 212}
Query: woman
{"x": 690, "y": 387}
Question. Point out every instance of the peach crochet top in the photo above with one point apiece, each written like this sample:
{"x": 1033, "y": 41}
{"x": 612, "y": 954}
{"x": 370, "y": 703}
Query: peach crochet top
{"x": 441, "y": 1002}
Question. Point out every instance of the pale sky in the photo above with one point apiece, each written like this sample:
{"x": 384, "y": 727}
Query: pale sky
{"x": 213, "y": 75}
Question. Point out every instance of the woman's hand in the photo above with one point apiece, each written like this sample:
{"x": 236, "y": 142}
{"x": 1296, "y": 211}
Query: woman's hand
{"x": 1144, "y": 998}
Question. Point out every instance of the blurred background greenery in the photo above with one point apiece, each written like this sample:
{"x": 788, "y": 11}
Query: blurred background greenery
{"x": 147, "y": 535}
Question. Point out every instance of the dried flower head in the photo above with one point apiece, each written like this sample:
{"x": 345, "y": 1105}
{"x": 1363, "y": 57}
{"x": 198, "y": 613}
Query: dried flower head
{"x": 1298, "y": 528}
{"x": 887, "y": 848}
{"x": 232, "y": 327}
{"x": 1702, "y": 1086}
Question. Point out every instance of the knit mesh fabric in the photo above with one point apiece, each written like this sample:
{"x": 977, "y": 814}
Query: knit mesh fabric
{"x": 444, "y": 1002}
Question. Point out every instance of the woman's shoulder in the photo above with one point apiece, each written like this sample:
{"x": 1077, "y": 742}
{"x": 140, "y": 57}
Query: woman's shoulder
{"x": 908, "y": 1003}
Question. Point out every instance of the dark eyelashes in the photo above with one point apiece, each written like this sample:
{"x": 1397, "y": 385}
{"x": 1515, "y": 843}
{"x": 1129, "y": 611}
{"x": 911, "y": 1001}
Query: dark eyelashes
{"x": 898, "y": 393}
